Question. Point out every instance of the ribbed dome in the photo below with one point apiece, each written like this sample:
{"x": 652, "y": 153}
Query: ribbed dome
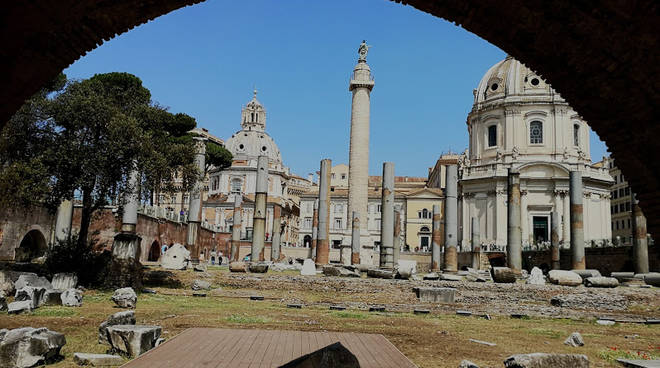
{"x": 249, "y": 144}
{"x": 510, "y": 78}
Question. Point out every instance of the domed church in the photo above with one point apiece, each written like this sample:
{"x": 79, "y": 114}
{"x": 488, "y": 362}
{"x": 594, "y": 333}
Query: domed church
{"x": 518, "y": 123}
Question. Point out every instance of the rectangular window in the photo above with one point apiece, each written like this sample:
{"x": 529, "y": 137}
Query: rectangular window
{"x": 378, "y": 208}
{"x": 343, "y": 176}
{"x": 576, "y": 134}
{"x": 627, "y": 206}
{"x": 308, "y": 222}
{"x": 338, "y": 224}
{"x": 536, "y": 132}
{"x": 492, "y": 136}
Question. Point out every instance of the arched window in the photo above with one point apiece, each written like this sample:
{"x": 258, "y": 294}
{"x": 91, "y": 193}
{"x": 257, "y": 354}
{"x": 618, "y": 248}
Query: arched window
{"x": 425, "y": 213}
{"x": 536, "y": 132}
{"x": 576, "y": 134}
{"x": 492, "y": 136}
{"x": 236, "y": 185}
{"x": 424, "y": 229}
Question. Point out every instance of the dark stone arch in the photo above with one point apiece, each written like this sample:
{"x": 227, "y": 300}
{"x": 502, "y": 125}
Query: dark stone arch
{"x": 154, "y": 252}
{"x": 33, "y": 245}
{"x": 603, "y": 59}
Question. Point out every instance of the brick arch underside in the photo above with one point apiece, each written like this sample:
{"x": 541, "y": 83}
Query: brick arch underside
{"x": 604, "y": 60}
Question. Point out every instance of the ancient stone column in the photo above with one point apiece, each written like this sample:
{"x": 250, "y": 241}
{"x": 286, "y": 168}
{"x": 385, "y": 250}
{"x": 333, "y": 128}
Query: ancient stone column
{"x": 360, "y": 85}
{"x": 640, "y": 240}
{"x": 577, "y": 225}
{"x": 476, "y": 244}
{"x": 355, "y": 239}
{"x": 195, "y": 206}
{"x": 387, "y": 218}
{"x": 277, "y": 224}
{"x": 554, "y": 239}
{"x": 236, "y": 229}
{"x": 63, "y": 221}
{"x": 131, "y": 201}
{"x": 315, "y": 229}
{"x": 323, "y": 242}
{"x": 259, "y": 218}
{"x": 514, "y": 232}
{"x": 397, "y": 236}
{"x": 436, "y": 234}
{"x": 451, "y": 218}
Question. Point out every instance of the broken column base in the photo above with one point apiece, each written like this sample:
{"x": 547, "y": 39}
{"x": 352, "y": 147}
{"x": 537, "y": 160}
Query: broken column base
{"x": 435, "y": 295}
{"x": 125, "y": 267}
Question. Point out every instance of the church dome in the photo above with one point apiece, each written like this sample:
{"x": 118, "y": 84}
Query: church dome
{"x": 251, "y": 144}
{"x": 509, "y": 79}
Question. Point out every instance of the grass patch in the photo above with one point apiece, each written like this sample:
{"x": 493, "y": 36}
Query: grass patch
{"x": 350, "y": 315}
{"x": 55, "y": 312}
{"x": 242, "y": 318}
{"x": 546, "y": 332}
{"x": 613, "y": 353}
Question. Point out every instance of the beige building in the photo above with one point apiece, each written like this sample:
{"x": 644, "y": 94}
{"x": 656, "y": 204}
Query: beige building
{"x": 621, "y": 208}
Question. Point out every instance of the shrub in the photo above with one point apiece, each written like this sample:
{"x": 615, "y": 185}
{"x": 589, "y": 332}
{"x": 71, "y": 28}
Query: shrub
{"x": 90, "y": 266}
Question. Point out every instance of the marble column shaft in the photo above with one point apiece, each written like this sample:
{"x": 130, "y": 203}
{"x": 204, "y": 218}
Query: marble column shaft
{"x": 436, "y": 241}
{"x": 259, "y": 217}
{"x": 63, "y": 221}
{"x": 323, "y": 241}
{"x": 514, "y": 232}
{"x": 387, "y": 217}
{"x": 236, "y": 229}
{"x": 315, "y": 230}
{"x": 355, "y": 238}
{"x": 577, "y": 221}
{"x": 275, "y": 248}
{"x": 476, "y": 243}
{"x": 554, "y": 239}
{"x": 640, "y": 240}
{"x": 451, "y": 221}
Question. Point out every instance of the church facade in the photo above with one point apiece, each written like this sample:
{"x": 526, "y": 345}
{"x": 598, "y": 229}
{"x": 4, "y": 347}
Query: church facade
{"x": 518, "y": 123}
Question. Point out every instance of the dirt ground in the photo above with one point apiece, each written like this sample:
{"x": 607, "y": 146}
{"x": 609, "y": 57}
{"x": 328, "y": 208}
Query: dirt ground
{"x": 439, "y": 339}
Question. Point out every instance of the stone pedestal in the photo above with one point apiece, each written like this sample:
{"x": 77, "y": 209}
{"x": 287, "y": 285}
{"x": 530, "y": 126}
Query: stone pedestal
{"x": 125, "y": 267}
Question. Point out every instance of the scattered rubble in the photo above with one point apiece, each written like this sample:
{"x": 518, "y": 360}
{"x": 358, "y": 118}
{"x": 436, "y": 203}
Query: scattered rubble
{"x": 27, "y": 346}
{"x": 64, "y": 281}
{"x": 536, "y": 277}
{"x": 201, "y": 285}
{"x": 599, "y": 281}
{"x": 503, "y": 275}
{"x": 132, "y": 340}
{"x": 565, "y": 278}
{"x": 125, "y": 297}
{"x": 97, "y": 360}
{"x": 238, "y": 267}
{"x": 308, "y": 268}
{"x": 176, "y": 257}
{"x": 119, "y": 318}
{"x": 544, "y": 360}
{"x": 72, "y": 298}
{"x": 574, "y": 340}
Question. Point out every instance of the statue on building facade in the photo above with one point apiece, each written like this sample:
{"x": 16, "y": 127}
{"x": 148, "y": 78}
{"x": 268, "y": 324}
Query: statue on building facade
{"x": 362, "y": 51}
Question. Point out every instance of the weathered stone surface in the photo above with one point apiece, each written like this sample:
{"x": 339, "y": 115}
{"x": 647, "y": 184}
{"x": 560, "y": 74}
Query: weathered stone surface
{"x": 258, "y": 267}
{"x": 381, "y": 274}
{"x": 536, "y": 277}
{"x": 32, "y": 280}
{"x": 503, "y": 275}
{"x": 20, "y": 307}
{"x": 280, "y": 266}
{"x": 587, "y": 273}
{"x": 347, "y": 272}
{"x": 590, "y": 301}
{"x": 133, "y": 340}
{"x": 334, "y": 355}
{"x": 435, "y": 295}
{"x": 238, "y": 267}
{"x": 33, "y": 294}
{"x": 605, "y": 322}
{"x": 467, "y": 364}
{"x": 308, "y": 268}
{"x": 72, "y": 298}
{"x": 201, "y": 285}
{"x": 622, "y": 276}
{"x": 566, "y": 278}
{"x": 119, "y": 318}
{"x": 406, "y": 269}
{"x": 125, "y": 297}
{"x": 543, "y": 360}
{"x": 175, "y": 258}
{"x": 6, "y": 283}
{"x": 97, "y": 360}
{"x": 652, "y": 279}
{"x": 329, "y": 270}
{"x": 432, "y": 276}
{"x": 639, "y": 363}
{"x": 604, "y": 282}
{"x": 64, "y": 281}
{"x": 450, "y": 277}
{"x": 200, "y": 267}
{"x": 53, "y": 297}
{"x": 574, "y": 340}
{"x": 27, "y": 347}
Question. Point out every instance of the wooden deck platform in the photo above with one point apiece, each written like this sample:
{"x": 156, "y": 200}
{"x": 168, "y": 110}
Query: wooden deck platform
{"x": 215, "y": 347}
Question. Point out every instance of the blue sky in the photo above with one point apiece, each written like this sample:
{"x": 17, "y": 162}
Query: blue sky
{"x": 204, "y": 60}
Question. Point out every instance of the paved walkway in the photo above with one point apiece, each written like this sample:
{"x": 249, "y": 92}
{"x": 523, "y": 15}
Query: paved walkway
{"x": 215, "y": 347}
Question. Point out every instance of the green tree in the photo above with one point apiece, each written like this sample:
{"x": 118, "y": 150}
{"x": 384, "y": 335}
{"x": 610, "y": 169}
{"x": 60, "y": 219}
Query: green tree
{"x": 217, "y": 157}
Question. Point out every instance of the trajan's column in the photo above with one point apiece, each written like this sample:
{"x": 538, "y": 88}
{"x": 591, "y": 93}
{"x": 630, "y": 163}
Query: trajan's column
{"x": 361, "y": 85}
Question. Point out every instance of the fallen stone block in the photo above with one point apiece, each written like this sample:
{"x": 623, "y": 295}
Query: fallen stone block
{"x": 536, "y": 277}
{"x": 587, "y": 273}
{"x": 308, "y": 268}
{"x": 32, "y": 293}
{"x": 406, "y": 268}
{"x": 435, "y": 295}
{"x": 483, "y": 342}
{"x": 450, "y": 277}
{"x": 622, "y": 276}
{"x": 53, "y": 297}
{"x": 652, "y": 279}
{"x": 544, "y": 360}
{"x": 72, "y": 298}
{"x": 381, "y": 274}
{"x": 565, "y": 278}
{"x": 125, "y": 297}
{"x": 175, "y": 257}
{"x": 639, "y": 363}
{"x": 574, "y": 340}
{"x": 258, "y": 267}
{"x": 64, "y": 281}
{"x": 201, "y": 285}
{"x": 346, "y": 271}
{"x": 31, "y": 279}
{"x": 6, "y": 283}
{"x": 27, "y": 346}
{"x": 238, "y": 267}
{"x": 590, "y": 301}
{"x": 503, "y": 275}
{"x": 97, "y": 360}
{"x": 605, "y": 322}
{"x": 119, "y": 318}
{"x": 602, "y": 282}
{"x": 20, "y": 307}
{"x": 329, "y": 270}
{"x": 334, "y": 355}
{"x": 432, "y": 276}
{"x": 133, "y": 340}
{"x": 463, "y": 313}
{"x": 200, "y": 267}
